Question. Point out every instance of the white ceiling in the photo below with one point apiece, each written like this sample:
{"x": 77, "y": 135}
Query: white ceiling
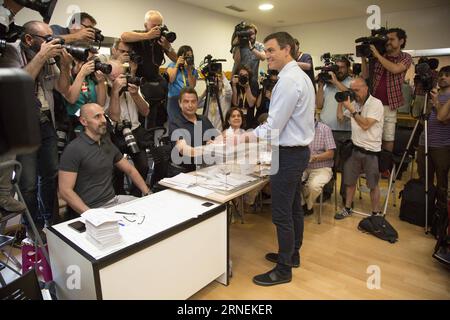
{"x": 295, "y": 12}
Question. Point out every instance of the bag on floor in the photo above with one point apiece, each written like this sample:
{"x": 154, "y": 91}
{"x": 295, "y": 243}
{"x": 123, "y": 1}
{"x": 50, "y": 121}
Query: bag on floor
{"x": 379, "y": 227}
{"x": 412, "y": 208}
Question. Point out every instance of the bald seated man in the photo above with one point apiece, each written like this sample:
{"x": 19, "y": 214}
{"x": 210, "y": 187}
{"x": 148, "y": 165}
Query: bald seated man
{"x": 86, "y": 167}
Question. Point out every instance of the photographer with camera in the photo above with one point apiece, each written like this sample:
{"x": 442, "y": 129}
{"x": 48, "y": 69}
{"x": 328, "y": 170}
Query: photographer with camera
{"x": 36, "y": 53}
{"x": 438, "y": 139}
{"x": 123, "y": 52}
{"x": 182, "y": 74}
{"x": 387, "y": 76}
{"x": 305, "y": 62}
{"x": 87, "y": 86}
{"x": 366, "y": 116}
{"x": 247, "y": 51}
{"x": 268, "y": 82}
{"x": 244, "y": 97}
{"x": 152, "y": 44}
{"x": 326, "y": 102}
{"x": 81, "y": 28}
{"x": 124, "y": 105}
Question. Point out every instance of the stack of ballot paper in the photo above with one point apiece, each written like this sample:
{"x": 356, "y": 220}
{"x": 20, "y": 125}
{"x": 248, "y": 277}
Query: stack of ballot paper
{"x": 185, "y": 180}
{"x": 102, "y": 228}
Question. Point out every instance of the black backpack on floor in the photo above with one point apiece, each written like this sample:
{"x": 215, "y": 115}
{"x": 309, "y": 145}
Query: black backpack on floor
{"x": 412, "y": 208}
{"x": 379, "y": 227}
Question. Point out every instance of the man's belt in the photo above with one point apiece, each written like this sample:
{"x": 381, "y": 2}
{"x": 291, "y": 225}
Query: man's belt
{"x": 362, "y": 150}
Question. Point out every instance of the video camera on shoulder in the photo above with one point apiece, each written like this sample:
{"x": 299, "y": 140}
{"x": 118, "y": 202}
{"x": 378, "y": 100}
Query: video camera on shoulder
{"x": 378, "y": 38}
{"x": 244, "y": 33}
{"x": 329, "y": 65}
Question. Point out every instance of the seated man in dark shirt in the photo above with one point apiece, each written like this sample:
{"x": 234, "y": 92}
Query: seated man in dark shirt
{"x": 86, "y": 167}
{"x": 188, "y": 132}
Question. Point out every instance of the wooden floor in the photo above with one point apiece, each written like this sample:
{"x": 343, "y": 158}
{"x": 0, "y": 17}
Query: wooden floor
{"x": 334, "y": 260}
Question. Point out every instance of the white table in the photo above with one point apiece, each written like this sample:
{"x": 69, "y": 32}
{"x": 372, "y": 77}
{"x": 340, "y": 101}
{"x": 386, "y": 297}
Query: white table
{"x": 181, "y": 247}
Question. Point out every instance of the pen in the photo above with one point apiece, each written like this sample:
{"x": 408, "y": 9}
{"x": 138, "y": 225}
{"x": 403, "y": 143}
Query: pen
{"x": 126, "y": 213}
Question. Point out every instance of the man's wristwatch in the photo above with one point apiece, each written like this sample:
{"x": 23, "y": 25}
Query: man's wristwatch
{"x": 354, "y": 114}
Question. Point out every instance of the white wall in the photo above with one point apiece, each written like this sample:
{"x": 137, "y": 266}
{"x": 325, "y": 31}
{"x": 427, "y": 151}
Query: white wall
{"x": 206, "y": 31}
{"x": 426, "y": 29}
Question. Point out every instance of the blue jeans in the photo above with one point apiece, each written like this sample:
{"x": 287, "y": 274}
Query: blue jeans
{"x": 38, "y": 181}
{"x": 173, "y": 108}
{"x": 287, "y": 212}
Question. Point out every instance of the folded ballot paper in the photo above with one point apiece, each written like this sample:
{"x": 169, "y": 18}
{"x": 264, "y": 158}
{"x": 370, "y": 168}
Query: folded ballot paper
{"x": 102, "y": 228}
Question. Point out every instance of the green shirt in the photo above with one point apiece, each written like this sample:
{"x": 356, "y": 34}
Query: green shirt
{"x": 87, "y": 95}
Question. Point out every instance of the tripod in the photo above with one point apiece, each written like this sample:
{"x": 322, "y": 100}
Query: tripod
{"x": 37, "y": 238}
{"x": 397, "y": 173}
{"x": 212, "y": 91}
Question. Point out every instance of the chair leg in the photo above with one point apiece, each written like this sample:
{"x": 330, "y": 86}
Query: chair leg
{"x": 320, "y": 209}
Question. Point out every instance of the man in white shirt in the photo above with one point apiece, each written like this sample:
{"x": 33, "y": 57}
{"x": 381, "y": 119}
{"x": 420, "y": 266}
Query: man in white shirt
{"x": 290, "y": 128}
{"x": 367, "y": 117}
{"x": 124, "y": 104}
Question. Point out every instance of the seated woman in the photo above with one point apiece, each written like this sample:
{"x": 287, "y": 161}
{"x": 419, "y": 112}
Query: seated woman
{"x": 182, "y": 74}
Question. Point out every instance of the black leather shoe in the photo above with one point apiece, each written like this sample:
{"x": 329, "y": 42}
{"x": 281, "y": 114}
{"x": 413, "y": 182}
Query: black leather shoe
{"x": 273, "y": 257}
{"x": 271, "y": 278}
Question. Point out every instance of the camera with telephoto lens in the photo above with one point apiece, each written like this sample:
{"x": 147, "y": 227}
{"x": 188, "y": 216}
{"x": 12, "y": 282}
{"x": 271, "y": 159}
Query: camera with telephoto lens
{"x": 378, "y": 38}
{"x": 329, "y": 65}
{"x": 170, "y": 36}
{"x": 130, "y": 140}
{"x": 344, "y": 95}
{"x": 243, "y": 32}
{"x": 103, "y": 67}
{"x": 134, "y": 57}
{"x": 79, "y": 53}
{"x": 424, "y": 72}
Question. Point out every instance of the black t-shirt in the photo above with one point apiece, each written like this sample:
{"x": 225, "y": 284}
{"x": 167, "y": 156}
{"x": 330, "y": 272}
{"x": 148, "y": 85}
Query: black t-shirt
{"x": 153, "y": 55}
{"x": 183, "y": 129}
{"x": 94, "y": 164}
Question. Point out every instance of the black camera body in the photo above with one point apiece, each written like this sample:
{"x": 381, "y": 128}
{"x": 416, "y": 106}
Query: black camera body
{"x": 424, "y": 74}
{"x": 99, "y": 38}
{"x": 130, "y": 140}
{"x": 329, "y": 65}
{"x": 242, "y": 31}
{"x": 103, "y": 67}
{"x": 267, "y": 83}
{"x": 243, "y": 80}
{"x": 344, "y": 95}
{"x": 137, "y": 81}
{"x": 134, "y": 57}
{"x": 378, "y": 38}
{"x": 170, "y": 36}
